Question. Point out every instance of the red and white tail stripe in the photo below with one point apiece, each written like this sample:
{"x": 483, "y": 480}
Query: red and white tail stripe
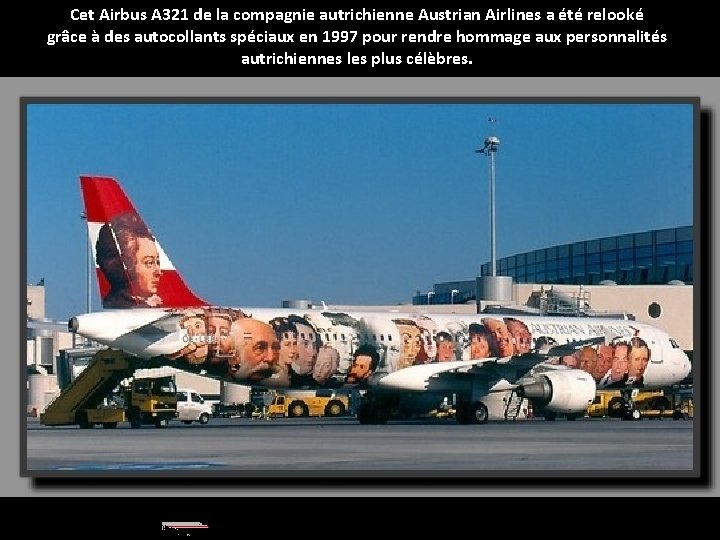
{"x": 104, "y": 200}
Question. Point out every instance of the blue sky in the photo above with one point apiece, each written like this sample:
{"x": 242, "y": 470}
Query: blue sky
{"x": 348, "y": 202}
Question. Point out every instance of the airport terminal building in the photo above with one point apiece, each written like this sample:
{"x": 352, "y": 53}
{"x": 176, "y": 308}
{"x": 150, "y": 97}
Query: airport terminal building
{"x": 648, "y": 275}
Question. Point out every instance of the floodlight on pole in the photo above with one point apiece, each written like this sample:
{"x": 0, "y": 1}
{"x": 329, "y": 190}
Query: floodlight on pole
{"x": 88, "y": 270}
{"x": 491, "y": 146}
{"x": 452, "y": 295}
{"x": 430, "y": 294}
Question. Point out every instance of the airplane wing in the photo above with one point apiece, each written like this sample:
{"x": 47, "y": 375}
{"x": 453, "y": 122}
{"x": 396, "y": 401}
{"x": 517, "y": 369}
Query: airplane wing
{"x": 510, "y": 368}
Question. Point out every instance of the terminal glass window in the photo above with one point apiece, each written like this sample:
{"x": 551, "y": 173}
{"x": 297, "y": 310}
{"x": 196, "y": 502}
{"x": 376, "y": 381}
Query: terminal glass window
{"x": 643, "y": 262}
{"x": 578, "y": 249}
{"x": 540, "y": 255}
{"x": 626, "y": 254}
{"x": 625, "y": 241}
{"x": 609, "y": 262}
{"x": 665, "y": 255}
{"x": 665, "y": 236}
{"x": 642, "y": 252}
{"x": 643, "y": 239}
{"x": 578, "y": 262}
{"x": 684, "y": 233}
{"x": 563, "y": 268}
{"x": 563, "y": 251}
{"x": 592, "y": 246}
{"x": 609, "y": 266}
{"x": 608, "y": 243}
{"x": 684, "y": 258}
{"x": 684, "y": 246}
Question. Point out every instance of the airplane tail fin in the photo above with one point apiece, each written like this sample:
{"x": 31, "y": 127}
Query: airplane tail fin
{"x": 131, "y": 267}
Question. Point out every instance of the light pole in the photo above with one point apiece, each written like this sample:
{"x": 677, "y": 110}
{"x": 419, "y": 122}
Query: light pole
{"x": 88, "y": 272}
{"x": 452, "y": 295}
{"x": 430, "y": 294}
{"x": 491, "y": 145}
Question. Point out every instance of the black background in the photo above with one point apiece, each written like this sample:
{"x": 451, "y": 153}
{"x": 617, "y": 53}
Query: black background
{"x": 687, "y": 45}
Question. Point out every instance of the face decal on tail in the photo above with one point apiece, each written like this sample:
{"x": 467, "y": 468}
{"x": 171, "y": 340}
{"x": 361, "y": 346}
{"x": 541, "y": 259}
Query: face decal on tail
{"x": 131, "y": 267}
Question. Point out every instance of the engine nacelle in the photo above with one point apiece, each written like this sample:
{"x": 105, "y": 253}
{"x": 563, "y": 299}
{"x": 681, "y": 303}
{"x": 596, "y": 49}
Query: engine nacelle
{"x": 561, "y": 391}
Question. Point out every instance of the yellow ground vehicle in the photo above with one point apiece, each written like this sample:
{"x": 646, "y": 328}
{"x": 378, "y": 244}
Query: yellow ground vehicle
{"x": 646, "y": 403}
{"x": 150, "y": 401}
{"x": 314, "y": 404}
{"x": 88, "y": 400}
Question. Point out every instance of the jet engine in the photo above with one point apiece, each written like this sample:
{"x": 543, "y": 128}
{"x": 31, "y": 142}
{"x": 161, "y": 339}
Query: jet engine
{"x": 562, "y": 391}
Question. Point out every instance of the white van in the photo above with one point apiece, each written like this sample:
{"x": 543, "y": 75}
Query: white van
{"x": 192, "y": 407}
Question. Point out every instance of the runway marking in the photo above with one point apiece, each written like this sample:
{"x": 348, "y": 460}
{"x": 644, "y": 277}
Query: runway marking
{"x": 139, "y": 466}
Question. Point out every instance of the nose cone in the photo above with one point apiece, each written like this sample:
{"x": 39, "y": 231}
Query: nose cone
{"x": 686, "y": 365}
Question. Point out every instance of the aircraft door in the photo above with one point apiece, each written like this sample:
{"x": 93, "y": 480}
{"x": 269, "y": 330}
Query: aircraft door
{"x": 655, "y": 344}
